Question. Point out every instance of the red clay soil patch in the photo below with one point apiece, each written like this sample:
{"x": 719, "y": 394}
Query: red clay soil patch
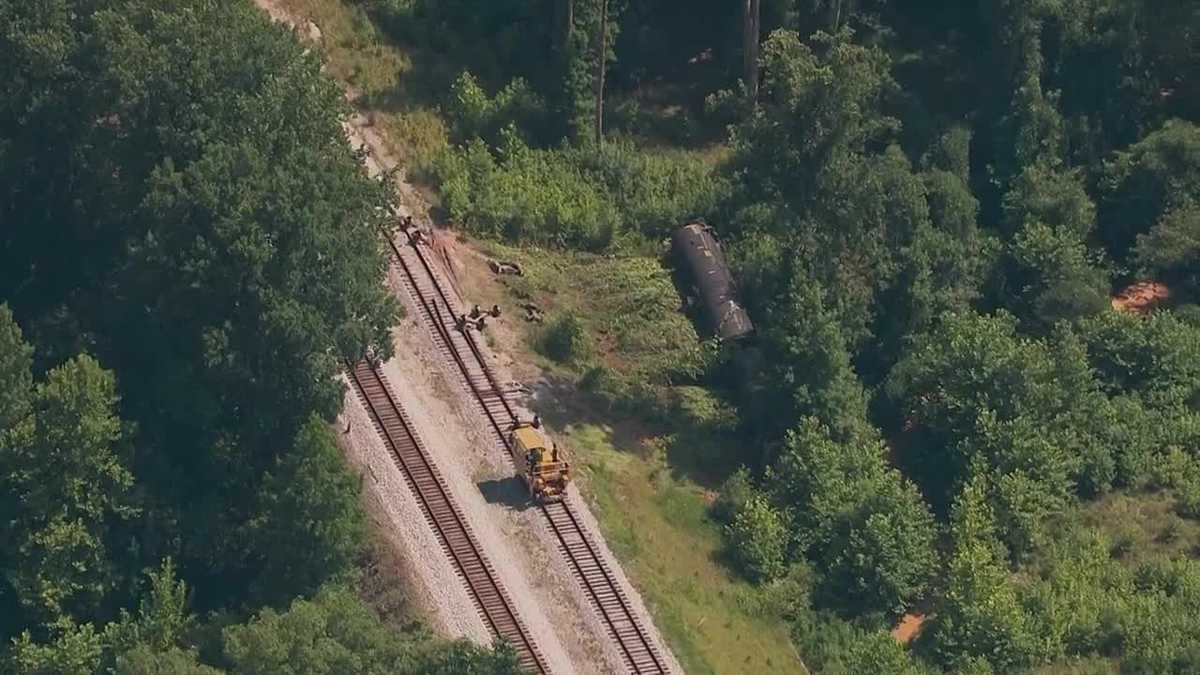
{"x": 1141, "y": 297}
{"x": 445, "y": 246}
{"x": 909, "y": 628}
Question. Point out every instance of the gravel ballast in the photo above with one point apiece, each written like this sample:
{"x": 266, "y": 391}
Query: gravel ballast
{"x": 514, "y": 536}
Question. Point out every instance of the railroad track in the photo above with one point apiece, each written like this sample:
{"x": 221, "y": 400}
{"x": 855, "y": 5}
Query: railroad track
{"x": 443, "y": 515}
{"x": 440, "y": 312}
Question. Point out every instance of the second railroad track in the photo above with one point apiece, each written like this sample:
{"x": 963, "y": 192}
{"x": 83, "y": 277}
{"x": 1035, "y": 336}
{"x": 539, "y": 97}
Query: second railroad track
{"x": 443, "y": 514}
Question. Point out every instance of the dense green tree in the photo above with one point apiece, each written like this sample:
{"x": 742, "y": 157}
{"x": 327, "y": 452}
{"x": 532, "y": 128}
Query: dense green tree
{"x": 1156, "y": 357}
{"x": 758, "y": 538}
{"x": 1023, "y": 124}
{"x": 817, "y": 103}
{"x": 813, "y": 375}
{"x": 212, "y": 239}
{"x": 815, "y": 174}
{"x": 310, "y": 520}
{"x": 1051, "y": 279}
{"x": 16, "y": 428}
{"x": 1027, "y": 476}
{"x": 1142, "y": 184}
{"x": 943, "y": 269}
{"x": 1043, "y": 193}
{"x": 882, "y": 555}
{"x": 1140, "y": 435}
{"x": 979, "y": 615}
{"x": 1172, "y": 247}
{"x": 64, "y": 489}
{"x": 803, "y": 175}
{"x": 591, "y": 35}
{"x": 821, "y": 479}
{"x": 143, "y": 660}
{"x": 866, "y": 528}
{"x": 974, "y": 373}
{"x": 1122, "y": 67}
{"x": 72, "y": 650}
{"x": 163, "y": 619}
{"x": 16, "y": 377}
{"x": 335, "y": 633}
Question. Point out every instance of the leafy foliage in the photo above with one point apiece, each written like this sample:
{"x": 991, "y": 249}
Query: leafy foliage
{"x": 189, "y": 246}
{"x": 1172, "y": 247}
{"x": 65, "y": 490}
{"x": 758, "y": 538}
{"x": 866, "y": 528}
{"x": 310, "y": 518}
{"x": 580, "y": 198}
{"x": 476, "y": 115}
{"x": 1150, "y": 179}
{"x": 925, "y": 206}
{"x": 335, "y": 633}
{"x": 566, "y": 340}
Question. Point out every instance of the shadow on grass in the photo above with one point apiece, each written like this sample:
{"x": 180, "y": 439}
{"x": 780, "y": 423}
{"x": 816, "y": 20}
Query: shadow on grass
{"x": 423, "y": 84}
{"x": 705, "y": 456}
{"x": 699, "y": 454}
{"x": 561, "y": 403}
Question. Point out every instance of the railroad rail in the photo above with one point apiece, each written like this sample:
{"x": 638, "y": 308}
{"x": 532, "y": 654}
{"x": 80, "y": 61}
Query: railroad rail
{"x": 457, "y": 345}
{"x": 443, "y": 514}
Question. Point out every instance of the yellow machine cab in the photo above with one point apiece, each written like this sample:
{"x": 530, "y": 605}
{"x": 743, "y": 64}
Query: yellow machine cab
{"x": 546, "y": 471}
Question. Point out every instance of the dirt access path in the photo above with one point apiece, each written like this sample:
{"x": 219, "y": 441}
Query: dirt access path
{"x": 516, "y": 539}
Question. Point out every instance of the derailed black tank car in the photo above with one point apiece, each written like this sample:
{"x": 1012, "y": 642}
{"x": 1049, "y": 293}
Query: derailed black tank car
{"x": 697, "y": 250}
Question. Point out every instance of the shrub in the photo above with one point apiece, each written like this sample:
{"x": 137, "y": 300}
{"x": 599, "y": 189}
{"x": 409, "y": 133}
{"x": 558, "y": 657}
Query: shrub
{"x": 880, "y": 559}
{"x": 833, "y": 645}
{"x": 654, "y": 191}
{"x": 578, "y": 197}
{"x": 1174, "y": 469}
{"x": 758, "y": 538}
{"x": 1123, "y": 543}
{"x": 631, "y": 395}
{"x": 735, "y": 492}
{"x": 522, "y": 194}
{"x": 473, "y": 114}
{"x": 1187, "y": 497}
{"x": 566, "y": 340}
{"x": 700, "y": 407}
{"x": 603, "y": 382}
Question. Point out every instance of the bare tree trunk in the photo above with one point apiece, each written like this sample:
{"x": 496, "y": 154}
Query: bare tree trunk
{"x": 750, "y": 29}
{"x": 601, "y": 58}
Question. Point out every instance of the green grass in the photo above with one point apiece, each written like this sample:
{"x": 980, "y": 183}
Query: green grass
{"x": 650, "y": 483}
{"x": 397, "y": 85}
{"x": 659, "y": 527}
{"x": 1143, "y": 526}
{"x": 628, "y": 304}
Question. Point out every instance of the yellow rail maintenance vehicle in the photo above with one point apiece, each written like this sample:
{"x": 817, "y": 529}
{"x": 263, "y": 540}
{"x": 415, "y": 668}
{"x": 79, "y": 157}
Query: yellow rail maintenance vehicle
{"x": 546, "y": 471}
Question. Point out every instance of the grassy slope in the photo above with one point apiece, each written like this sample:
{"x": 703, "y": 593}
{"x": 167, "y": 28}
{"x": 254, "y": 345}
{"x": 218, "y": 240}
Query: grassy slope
{"x": 394, "y": 84}
{"x": 645, "y": 485}
{"x": 658, "y": 526}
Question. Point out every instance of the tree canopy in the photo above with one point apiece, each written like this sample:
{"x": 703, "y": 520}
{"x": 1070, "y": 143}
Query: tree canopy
{"x": 928, "y": 208}
{"x": 188, "y": 254}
